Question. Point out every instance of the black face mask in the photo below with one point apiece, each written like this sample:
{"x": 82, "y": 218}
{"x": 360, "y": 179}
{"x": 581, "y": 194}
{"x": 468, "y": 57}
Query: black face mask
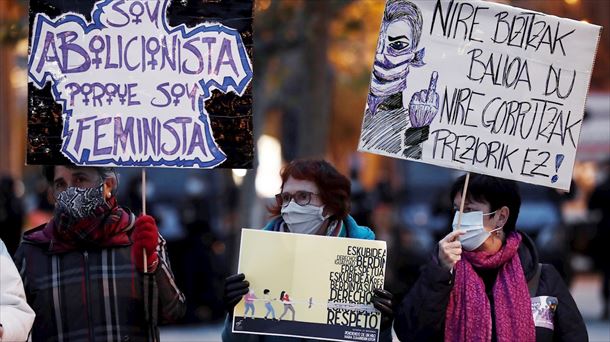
{"x": 76, "y": 204}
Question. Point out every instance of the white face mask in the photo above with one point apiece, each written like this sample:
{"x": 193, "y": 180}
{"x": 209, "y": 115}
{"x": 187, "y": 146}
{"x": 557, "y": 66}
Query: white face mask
{"x": 306, "y": 219}
{"x": 472, "y": 224}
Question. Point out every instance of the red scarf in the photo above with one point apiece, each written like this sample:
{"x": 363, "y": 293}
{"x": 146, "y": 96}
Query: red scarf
{"x": 108, "y": 228}
{"x": 468, "y": 315}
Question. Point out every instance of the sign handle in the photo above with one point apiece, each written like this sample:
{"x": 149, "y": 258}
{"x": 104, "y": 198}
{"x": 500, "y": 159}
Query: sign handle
{"x": 144, "y": 213}
{"x": 459, "y": 223}
{"x": 143, "y": 191}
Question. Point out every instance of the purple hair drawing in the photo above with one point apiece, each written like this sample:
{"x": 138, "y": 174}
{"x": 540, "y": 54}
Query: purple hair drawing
{"x": 396, "y": 51}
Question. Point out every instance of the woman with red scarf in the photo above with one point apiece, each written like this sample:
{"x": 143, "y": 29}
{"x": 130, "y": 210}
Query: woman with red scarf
{"x": 484, "y": 282}
{"x": 84, "y": 272}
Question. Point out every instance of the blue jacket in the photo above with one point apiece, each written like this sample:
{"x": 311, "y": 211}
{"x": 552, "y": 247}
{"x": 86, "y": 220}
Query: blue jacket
{"x": 350, "y": 229}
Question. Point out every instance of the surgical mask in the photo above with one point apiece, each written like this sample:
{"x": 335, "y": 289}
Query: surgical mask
{"x": 472, "y": 224}
{"x": 306, "y": 219}
{"x": 75, "y": 204}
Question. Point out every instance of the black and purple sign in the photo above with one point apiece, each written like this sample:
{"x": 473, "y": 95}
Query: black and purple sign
{"x": 137, "y": 88}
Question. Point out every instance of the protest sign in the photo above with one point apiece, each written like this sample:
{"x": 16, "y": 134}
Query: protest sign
{"x": 310, "y": 286}
{"x": 140, "y": 83}
{"x": 480, "y": 87}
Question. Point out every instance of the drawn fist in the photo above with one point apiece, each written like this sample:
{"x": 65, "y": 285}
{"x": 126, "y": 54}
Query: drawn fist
{"x": 424, "y": 104}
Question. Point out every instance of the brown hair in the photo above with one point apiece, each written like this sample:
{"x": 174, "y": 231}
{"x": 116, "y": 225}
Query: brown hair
{"x": 335, "y": 188}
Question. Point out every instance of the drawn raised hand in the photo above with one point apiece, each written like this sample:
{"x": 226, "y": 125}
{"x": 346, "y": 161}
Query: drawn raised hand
{"x": 424, "y": 104}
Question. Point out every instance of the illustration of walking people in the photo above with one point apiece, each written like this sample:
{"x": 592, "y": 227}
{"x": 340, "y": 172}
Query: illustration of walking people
{"x": 287, "y": 304}
{"x": 249, "y": 299}
{"x": 268, "y": 305}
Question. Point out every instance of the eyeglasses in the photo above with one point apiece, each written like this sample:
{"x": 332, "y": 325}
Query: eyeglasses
{"x": 300, "y": 197}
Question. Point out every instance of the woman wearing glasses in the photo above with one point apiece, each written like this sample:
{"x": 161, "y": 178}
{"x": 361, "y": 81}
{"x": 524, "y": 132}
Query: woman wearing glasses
{"x": 314, "y": 199}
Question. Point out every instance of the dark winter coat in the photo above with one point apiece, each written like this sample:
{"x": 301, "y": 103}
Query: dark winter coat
{"x": 96, "y": 294}
{"x": 421, "y": 315}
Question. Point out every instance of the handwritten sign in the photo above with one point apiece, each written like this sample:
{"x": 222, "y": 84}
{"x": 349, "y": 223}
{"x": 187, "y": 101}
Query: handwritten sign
{"x": 310, "y": 286}
{"x": 481, "y": 87}
{"x": 133, "y": 89}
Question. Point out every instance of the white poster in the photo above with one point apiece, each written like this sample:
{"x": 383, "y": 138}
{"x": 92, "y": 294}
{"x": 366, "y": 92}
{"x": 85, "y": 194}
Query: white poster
{"x": 310, "y": 286}
{"x": 480, "y": 87}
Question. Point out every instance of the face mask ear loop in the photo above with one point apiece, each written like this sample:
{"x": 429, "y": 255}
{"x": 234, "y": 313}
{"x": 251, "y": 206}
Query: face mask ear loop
{"x": 497, "y": 231}
{"x": 324, "y": 218}
{"x": 491, "y": 213}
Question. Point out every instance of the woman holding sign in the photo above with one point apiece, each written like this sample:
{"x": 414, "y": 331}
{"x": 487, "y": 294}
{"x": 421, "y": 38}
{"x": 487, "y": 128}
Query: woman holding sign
{"x": 84, "y": 272}
{"x": 314, "y": 199}
{"x": 485, "y": 283}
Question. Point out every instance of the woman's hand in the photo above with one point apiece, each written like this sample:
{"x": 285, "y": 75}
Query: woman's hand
{"x": 382, "y": 301}
{"x": 236, "y": 286}
{"x": 450, "y": 250}
{"x": 145, "y": 237}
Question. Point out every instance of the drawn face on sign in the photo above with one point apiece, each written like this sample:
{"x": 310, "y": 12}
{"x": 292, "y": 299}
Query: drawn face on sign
{"x": 394, "y": 51}
{"x": 400, "y": 33}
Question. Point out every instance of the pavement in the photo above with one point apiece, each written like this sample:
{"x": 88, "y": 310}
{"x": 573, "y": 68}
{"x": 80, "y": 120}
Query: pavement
{"x": 586, "y": 290}
{"x": 195, "y": 333}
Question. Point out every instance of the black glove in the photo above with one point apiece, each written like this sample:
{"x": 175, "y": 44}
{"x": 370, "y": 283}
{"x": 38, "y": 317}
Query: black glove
{"x": 382, "y": 301}
{"x": 236, "y": 286}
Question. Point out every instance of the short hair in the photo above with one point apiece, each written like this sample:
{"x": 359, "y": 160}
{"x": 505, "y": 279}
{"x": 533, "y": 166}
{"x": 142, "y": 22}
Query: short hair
{"x": 104, "y": 172}
{"x": 498, "y": 192}
{"x": 265, "y": 291}
{"x": 399, "y": 9}
{"x": 335, "y": 188}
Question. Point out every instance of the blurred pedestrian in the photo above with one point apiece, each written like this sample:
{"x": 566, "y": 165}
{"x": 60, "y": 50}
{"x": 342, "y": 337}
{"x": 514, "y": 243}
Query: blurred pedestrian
{"x": 598, "y": 203}
{"x": 11, "y": 215}
{"x": 484, "y": 282}
{"x": 84, "y": 271}
{"x": 361, "y": 206}
{"x": 16, "y": 316}
{"x": 314, "y": 199}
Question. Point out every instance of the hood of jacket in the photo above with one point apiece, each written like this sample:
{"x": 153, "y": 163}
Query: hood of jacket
{"x": 528, "y": 254}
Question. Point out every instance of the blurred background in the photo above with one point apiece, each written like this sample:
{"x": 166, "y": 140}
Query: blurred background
{"x": 312, "y": 64}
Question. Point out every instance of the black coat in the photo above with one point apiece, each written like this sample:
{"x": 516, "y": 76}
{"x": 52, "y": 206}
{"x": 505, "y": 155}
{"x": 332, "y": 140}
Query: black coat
{"x": 421, "y": 315}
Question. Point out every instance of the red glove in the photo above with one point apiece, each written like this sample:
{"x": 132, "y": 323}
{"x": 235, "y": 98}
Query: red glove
{"x": 145, "y": 236}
